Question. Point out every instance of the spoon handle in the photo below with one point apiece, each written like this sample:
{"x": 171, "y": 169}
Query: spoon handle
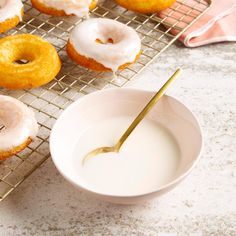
{"x": 146, "y": 109}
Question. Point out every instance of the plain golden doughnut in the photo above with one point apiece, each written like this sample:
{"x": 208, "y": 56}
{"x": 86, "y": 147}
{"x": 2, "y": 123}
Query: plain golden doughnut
{"x": 42, "y": 67}
{"x": 147, "y": 6}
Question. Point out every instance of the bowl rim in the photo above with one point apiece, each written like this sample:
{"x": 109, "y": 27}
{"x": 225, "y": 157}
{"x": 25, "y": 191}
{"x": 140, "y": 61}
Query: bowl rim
{"x": 161, "y": 188}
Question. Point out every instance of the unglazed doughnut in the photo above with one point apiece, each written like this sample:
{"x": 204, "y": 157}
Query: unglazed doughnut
{"x": 147, "y": 6}
{"x": 11, "y": 12}
{"x": 43, "y": 62}
{"x": 79, "y": 8}
{"x": 20, "y": 126}
{"x": 103, "y": 45}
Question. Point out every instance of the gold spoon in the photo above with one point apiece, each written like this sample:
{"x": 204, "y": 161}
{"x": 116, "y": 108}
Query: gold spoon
{"x": 137, "y": 120}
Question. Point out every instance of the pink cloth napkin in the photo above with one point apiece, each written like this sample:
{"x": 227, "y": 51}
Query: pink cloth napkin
{"x": 218, "y": 24}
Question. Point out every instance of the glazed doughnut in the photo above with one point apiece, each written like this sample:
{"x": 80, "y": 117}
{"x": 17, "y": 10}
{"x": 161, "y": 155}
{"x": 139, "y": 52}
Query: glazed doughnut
{"x": 11, "y": 12}
{"x": 79, "y": 8}
{"x": 20, "y": 126}
{"x": 148, "y": 6}
{"x": 43, "y": 62}
{"x": 103, "y": 45}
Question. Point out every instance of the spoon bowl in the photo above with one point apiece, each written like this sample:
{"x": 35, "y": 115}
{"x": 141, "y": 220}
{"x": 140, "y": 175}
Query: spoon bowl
{"x": 98, "y": 151}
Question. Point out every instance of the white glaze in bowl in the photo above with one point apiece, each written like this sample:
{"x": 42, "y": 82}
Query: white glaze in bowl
{"x": 88, "y": 110}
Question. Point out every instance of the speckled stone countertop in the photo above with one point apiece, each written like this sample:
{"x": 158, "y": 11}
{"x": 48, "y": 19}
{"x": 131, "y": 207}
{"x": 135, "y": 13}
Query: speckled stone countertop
{"x": 203, "y": 204}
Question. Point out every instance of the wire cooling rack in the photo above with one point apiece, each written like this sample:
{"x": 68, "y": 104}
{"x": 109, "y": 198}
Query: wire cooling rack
{"x": 74, "y": 81}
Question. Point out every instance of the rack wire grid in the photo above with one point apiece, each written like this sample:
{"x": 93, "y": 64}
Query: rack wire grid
{"x": 74, "y": 81}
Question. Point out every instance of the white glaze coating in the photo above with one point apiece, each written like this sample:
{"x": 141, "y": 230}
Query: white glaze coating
{"x": 79, "y": 8}
{"x": 126, "y": 42}
{"x": 19, "y": 122}
{"x": 10, "y": 9}
{"x": 148, "y": 159}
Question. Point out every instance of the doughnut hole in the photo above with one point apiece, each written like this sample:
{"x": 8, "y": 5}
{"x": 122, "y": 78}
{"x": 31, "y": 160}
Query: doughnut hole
{"x": 108, "y": 41}
{"x": 18, "y": 54}
{"x": 109, "y": 35}
{"x": 21, "y": 61}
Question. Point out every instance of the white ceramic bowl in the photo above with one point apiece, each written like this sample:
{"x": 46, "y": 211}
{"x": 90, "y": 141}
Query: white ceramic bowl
{"x": 96, "y": 106}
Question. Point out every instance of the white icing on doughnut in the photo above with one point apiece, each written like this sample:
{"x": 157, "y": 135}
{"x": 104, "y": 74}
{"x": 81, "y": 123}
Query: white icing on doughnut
{"x": 19, "y": 121}
{"x": 79, "y": 8}
{"x": 125, "y": 47}
{"x": 10, "y": 9}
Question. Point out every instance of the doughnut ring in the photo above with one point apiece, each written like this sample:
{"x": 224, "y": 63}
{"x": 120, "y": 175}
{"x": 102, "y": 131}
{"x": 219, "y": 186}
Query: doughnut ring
{"x": 103, "y": 45}
{"x": 64, "y": 7}
{"x": 42, "y": 67}
{"x": 11, "y": 12}
{"x": 148, "y": 6}
{"x": 20, "y": 126}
